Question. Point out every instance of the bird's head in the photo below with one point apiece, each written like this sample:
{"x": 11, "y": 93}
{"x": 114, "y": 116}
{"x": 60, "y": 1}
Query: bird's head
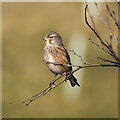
{"x": 53, "y": 38}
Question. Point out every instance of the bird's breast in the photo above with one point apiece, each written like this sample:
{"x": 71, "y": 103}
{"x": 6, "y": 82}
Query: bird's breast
{"x": 53, "y": 67}
{"x": 52, "y": 57}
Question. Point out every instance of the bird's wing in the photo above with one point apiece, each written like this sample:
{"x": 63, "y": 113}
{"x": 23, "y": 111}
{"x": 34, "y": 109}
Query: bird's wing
{"x": 62, "y": 56}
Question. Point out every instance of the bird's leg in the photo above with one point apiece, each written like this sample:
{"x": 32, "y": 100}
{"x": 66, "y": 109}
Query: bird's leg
{"x": 52, "y": 82}
{"x": 65, "y": 76}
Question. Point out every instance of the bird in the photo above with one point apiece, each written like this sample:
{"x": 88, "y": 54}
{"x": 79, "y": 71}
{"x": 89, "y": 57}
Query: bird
{"x": 57, "y": 58}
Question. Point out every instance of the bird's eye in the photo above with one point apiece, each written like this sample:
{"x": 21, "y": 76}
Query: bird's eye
{"x": 51, "y": 37}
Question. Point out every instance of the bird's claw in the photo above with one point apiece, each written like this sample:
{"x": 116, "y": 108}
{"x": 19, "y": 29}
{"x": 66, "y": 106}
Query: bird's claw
{"x": 51, "y": 83}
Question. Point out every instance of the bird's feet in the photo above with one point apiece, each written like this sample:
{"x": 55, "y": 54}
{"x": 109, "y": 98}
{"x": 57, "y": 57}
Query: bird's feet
{"x": 65, "y": 76}
{"x": 51, "y": 83}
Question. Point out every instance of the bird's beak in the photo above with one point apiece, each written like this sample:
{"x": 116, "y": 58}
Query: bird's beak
{"x": 45, "y": 38}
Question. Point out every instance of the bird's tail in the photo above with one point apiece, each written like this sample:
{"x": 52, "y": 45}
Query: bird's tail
{"x": 73, "y": 81}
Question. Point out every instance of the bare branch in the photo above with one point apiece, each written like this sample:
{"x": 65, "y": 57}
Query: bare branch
{"x": 113, "y": 17}
{"x": 117, "y": 1}
{"x": 80, "y": 57}
{"x": 48, "y": 89}
{"x": 107, "y": 25}
{"x": 108, "y": 61}
{"x": 100, "y": 47}
{"x": 102, "y": 42}
{"x": 63, "y": 64}
{"x": 91, "y": 17}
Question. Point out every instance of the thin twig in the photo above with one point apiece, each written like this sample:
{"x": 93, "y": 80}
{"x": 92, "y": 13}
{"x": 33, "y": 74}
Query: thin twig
{"x": 118, "y": 2}
{"x": 102, "y": 42}
{"x": 113, "y": 17}
{"x": 108, "y": 61}
{"x": 91, "y": 17}
{"x": 63, "y": 64}
{"x": 100, "y": 47}
{"x": 80, "y": 58}
{"x": 107, "y": 25}
{"x": 48, "y": 89}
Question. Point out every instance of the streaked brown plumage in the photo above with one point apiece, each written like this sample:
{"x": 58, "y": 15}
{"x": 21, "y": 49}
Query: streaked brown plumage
{"x": 55, "y": 52}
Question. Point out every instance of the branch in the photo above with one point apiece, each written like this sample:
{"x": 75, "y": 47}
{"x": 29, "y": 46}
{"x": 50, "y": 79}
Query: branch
{"x": 102, "y": 42}
{"x": 80, "y": 57}
{"x": 108, "y": 61}
{"x": 44, "y": 92}
{"x": 91, "y": 17}
{"x": 118, "y": 2}
{"x": 107, "y": 25}
{"x": 113, "y": 17}
{"x": 48, "y": 89}
{"x": 100, "y": 47}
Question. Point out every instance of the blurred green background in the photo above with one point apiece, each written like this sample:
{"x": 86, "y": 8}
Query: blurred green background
{"x": 24, "y": 73}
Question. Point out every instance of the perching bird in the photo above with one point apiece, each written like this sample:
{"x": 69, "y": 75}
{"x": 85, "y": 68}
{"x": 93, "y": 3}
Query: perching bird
{"x": 55, "y": 52}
